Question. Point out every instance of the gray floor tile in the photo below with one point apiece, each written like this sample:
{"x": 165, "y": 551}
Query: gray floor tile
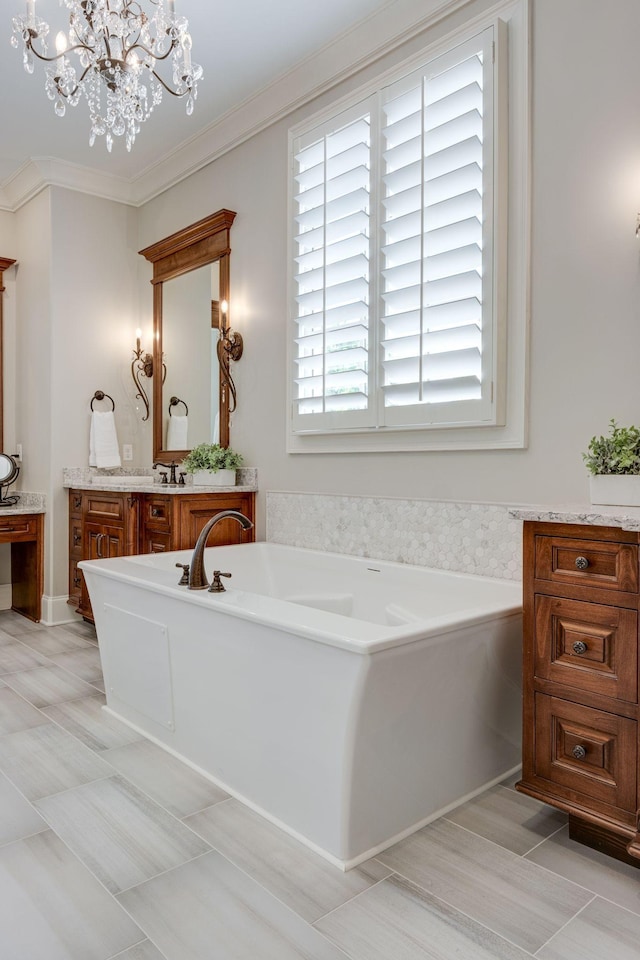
{"x": 15, "y": 657}
{"x": 119, "y": 833}
{"x": 489, "y": 884}
{"x": 18, "y": 818}
{"x": 16, "y": 624}
{"x": 46, "y": 685}
{"x": 603, "y": 931}
{"x": 55, "y": 640}
{"x": 173, "y": 784}
{"x": 289, "y": 870}
{"x": 82, "y": 663}
{"x": 99, "y": 685}
{"x": 508, "y": 818}
{"x": 51, "y": 908}
{"x": 603, "y": 875}
{"x": 512, "y": 780}
{"x": 87, "y": 721}
{"x": 210, "y": 910}
{"x": 6, "y": 638}
{"x": 143, "y": 951}
{"x": 396, "y": 920}
{"x": 45, "y": 760}
{"x": 81, "y": 628}
{"x": 16, "y": 714}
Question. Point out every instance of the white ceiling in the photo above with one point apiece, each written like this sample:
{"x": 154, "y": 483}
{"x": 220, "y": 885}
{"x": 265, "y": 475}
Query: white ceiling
{"x": 243, "y": 46}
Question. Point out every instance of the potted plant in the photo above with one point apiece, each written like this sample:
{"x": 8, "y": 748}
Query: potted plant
{"x": 614, "y": 464}
{"x": 213, "y": 465}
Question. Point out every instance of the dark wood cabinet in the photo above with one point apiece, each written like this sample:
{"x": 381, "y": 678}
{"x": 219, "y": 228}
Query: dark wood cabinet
{"x": 581, "y": 713}
{"x": 104, "y": 524}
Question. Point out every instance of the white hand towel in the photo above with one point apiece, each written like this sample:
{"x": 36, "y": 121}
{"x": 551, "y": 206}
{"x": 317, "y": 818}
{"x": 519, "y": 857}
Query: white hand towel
{"x": 177, "y": 433}
{"x": 103, "y": 440}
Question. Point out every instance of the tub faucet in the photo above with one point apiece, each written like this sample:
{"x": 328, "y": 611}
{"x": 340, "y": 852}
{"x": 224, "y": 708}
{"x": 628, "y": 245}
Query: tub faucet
{"x": 197, "y": 574}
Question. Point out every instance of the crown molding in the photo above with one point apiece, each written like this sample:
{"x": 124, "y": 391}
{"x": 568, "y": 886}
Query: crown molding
{"x": 375, "y": 36}
{"x": 40, "y": 172}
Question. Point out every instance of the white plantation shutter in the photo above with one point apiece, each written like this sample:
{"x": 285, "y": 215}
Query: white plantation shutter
{"x": 331, "y": 274}
{"x": 394, "y": 270}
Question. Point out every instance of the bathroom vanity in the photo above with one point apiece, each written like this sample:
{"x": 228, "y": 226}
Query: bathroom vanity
{"x": 23, "y": 527}
{"x": 581, "y": 714}
{"x": 107, "y": 522}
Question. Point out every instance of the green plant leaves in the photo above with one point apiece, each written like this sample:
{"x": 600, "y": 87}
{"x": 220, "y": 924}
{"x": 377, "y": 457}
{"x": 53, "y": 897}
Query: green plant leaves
{"x": 618, "y": 453}
{"x": 211, "y": 456}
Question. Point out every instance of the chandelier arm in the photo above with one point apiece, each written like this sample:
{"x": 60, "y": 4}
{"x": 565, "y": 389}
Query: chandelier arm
{"x": 141, "y": 46}
{"x": 58, "y": 56}
{"x": 167, "y": 88}
{"x": 75, "y": 89}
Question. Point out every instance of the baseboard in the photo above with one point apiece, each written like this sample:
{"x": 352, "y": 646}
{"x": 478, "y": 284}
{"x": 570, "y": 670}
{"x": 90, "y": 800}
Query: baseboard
{"x": 5, "y": 596}
{"x": 56, "y": 611}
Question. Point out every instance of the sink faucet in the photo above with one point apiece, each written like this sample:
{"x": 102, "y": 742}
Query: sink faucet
{"x": 197, "y": 575}
{"x": 173, "y": 480}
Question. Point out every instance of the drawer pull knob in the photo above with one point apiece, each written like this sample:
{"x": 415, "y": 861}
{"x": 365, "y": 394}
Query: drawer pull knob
{"x": 155, "y": 512}
{"x": 582, "y": 563}
{"x": 580, "y": 647}
{"x": 579, "y": 752}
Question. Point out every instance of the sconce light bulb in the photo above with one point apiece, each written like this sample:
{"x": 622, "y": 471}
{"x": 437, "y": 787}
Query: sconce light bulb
{"x": 138, "y": 333}
{"x": 61, "y": 42}
{"x": 224, "y": 306}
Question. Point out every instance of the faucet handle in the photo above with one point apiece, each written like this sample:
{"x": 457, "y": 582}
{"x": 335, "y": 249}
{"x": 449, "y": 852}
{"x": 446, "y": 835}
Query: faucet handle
{"x": 217, "y": 586}
{"x": 163, "y": 476}
{"x": 184, "y": 579}
{"x": 182, "y": 476}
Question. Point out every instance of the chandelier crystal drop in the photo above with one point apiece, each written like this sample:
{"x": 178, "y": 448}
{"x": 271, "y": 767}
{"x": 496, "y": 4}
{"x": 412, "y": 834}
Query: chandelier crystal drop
{"x": 109, "y": 54}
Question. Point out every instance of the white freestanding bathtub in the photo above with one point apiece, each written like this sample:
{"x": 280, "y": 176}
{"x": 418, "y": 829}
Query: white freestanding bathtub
{"x": 348, "y": 700}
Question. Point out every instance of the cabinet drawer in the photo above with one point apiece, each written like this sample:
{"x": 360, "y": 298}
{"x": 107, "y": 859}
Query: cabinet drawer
{"x": 101, "y": 507}
{"x": 588, "y": 752}
{"x": 156, "y": 512}
{"x": 588, "y": 646}
{"x": 154, "y": 542}
{"x": 19, "y": 527}
{"x": 596, "y": 563}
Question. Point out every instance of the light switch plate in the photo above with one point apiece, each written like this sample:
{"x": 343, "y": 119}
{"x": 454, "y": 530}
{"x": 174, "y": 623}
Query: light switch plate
{"x": 127, "y": 451}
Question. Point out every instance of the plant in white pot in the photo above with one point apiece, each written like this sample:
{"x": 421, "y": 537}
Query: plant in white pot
{"x": 614, "y": 464}
{"x": 213, "y": 465}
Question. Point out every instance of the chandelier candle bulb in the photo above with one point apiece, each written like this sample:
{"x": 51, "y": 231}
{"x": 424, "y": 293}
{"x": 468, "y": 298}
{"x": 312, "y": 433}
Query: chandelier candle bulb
{"x": 31, "y": 11}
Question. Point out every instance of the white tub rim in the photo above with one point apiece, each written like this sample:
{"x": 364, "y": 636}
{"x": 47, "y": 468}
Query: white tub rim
{"x": 351, "y": 634}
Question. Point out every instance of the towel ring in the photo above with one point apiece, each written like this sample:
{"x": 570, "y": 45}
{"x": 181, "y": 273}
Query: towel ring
{"x": 174, "y": 403}
{"x": 100, "y": 395}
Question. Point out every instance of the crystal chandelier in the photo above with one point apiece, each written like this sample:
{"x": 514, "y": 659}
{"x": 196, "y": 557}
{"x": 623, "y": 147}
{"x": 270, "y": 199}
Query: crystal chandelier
{"x": 109, "y": 55}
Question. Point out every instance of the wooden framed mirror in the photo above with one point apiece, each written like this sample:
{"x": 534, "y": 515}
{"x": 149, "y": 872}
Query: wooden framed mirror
{"x": 4, "y": 265}
{"x": 190, "y": 281}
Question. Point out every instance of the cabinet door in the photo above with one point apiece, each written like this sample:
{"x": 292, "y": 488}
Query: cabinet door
{"x": 194, "y": 514}
{"x": 586, "y": 753}
{"x": 587, "y": 646}
{"x": 103, "y": 541}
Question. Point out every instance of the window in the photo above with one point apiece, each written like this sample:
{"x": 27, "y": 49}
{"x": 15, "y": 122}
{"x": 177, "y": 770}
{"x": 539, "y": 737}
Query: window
{"x": 397, "y": 247}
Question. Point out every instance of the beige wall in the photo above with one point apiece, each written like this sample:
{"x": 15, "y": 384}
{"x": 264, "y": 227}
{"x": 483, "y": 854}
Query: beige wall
{"x": 76, "y": 325}
{"x": 585, "y": 334}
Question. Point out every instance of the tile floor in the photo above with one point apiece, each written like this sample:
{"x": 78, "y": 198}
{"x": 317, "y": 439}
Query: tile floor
{"x": 110, "y": 848}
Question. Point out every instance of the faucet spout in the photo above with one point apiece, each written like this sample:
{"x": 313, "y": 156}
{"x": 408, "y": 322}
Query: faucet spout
{"x": 197, "y": 574}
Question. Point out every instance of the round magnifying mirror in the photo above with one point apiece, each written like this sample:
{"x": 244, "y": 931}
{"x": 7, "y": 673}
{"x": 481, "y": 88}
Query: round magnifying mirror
{"x": 9, "y": 469}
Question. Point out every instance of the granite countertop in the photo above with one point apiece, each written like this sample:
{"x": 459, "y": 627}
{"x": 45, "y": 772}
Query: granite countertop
{"x": 28, "y": 503}
{"x": 144, "y": 481}
{"x": 592, "y": 515}
{"x": 160, "y": 488}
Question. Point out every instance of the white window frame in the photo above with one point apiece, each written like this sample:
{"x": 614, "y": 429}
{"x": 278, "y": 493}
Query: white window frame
{"x": 511, "y": 253}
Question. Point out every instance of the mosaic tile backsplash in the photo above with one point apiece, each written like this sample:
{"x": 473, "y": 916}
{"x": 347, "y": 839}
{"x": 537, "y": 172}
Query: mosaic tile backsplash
{"x": 479, "y": 538}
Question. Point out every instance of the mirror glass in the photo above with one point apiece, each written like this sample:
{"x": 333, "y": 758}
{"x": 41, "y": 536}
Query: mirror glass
{"x": 9, "y": 469}
{"x": 190, "y": 392}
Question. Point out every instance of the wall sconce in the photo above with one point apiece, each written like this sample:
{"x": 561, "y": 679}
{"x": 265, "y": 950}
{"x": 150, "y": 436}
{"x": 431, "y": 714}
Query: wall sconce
{"x": 141, "y": 366}
{"x": 230, "y": 347}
